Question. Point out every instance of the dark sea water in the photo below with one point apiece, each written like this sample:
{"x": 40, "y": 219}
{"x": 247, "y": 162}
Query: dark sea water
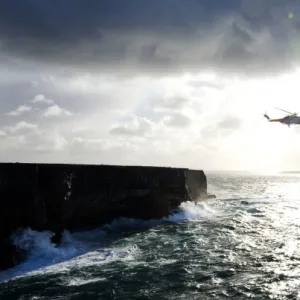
{"x": 244, "y": 245}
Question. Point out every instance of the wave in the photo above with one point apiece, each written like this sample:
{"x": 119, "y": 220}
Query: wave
{"x": 191, "y": 211}
{"x": 88, "y": 247}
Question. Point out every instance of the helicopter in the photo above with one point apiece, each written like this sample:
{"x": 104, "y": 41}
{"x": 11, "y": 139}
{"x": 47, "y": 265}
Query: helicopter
{"x": 291, "y": 118}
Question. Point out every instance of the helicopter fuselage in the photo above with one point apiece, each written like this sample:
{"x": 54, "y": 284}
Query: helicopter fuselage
{"x": 288, "y": 120}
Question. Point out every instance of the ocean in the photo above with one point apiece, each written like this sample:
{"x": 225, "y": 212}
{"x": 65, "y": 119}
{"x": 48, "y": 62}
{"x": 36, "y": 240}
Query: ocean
{"x": 242, "y": 245}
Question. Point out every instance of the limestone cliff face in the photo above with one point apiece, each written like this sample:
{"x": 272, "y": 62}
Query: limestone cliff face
{"x": 74, "y": 197}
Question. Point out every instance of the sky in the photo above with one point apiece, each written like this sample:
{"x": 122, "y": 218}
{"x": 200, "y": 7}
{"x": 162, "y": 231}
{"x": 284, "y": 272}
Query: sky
{"x": 162, "y": 82}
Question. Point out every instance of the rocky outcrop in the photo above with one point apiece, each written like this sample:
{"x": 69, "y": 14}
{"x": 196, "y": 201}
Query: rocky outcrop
{"x": 74, "y": 197}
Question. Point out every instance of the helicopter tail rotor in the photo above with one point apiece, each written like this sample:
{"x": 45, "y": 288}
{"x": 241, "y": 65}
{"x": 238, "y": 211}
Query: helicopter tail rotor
{"x": 266, "y": 116}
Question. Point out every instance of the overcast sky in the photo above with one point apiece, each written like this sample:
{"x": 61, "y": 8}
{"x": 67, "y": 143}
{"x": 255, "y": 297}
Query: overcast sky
{"x": 160, "y": 82}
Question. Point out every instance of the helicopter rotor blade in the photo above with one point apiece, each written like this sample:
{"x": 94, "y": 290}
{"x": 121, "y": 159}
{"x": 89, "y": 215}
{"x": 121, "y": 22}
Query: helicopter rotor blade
{"x": 288, "y": 112}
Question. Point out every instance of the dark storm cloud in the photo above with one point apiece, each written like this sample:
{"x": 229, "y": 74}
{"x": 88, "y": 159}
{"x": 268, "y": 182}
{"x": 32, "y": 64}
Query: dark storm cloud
{"x": 156, "y": 35}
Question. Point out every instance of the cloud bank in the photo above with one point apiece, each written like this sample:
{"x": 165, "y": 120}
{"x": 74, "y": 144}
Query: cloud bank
{"x": 239, "y": 36}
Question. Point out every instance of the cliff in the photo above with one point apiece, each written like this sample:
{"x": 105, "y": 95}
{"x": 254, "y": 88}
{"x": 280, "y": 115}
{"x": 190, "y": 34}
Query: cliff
{"x": 74, "y": 197}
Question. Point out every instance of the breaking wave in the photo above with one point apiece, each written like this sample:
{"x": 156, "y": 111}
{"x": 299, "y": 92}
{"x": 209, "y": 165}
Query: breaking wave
{"x": 88, "y": 248}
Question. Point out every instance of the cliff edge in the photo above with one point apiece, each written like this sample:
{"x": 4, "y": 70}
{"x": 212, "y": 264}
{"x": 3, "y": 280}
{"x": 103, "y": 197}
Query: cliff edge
{"x": 74, "y": 197}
